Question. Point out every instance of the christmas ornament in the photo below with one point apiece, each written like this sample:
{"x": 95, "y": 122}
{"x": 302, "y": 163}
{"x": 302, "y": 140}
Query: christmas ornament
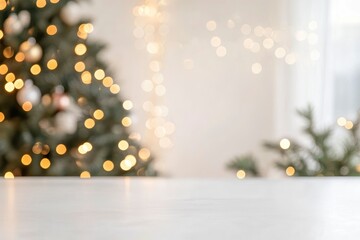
{"x": 29, "y": 93}
{"x": 70, "y": 13}
{"x": 13, "y": 25}
{"x": 61, "y": 101}
{"x": 31, "y": 50}
{"x": 66, "y": 122}
{"x": 24, "y": 18}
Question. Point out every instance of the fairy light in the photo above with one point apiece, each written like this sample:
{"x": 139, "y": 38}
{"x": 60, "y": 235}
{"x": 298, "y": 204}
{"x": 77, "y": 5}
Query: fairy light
{"x": 127, "y": 105}
{"x": 3, "y": 69}
{"x": 115, "y": 89}
{"x": 19, "y": 83}
{"x": 99, "y": 74}
{"x": 9, "y": 175}
{"x": 98, "y": 114}
{"x": 27, "y": 106}
{"x": 107, "y": 81}
{"x": 85, "y": 174}
{"x": 51, "y": 30}
{"x": 40, "y": 3}
{"x": 45, "y": 163}
{"x": 35, "y": 69}
{"x": 20, "y": 57}
{"x": 80, "y": 49}
{"x": 123, "y": 145}
{"x": 79, "y": 66}
{"x": 290, "y": 171}
{"x": 3, "y": 5}
{"x": 151, "y": 26}
{"x": 9, "y": 87}
{"x": 341, "y": 121}
{"x": 10, "y": 77}
{"x": 54, "y": 1}
{"x": 241, "y": 174}
{"x": 285, "y": 143}
{"x": 126, "y": 122}
{"x": 144, "y": 154}
{"x": 26, "y": 159}
{"x": 61, "y": 149}
{"x": 52, "y": 64}
{"x": 86, "y": 77}
{"x": 2, "y": 117}
{"x": 108, "y": 165}
{"x": 349, "y": 125}
{"x": 89, "y": 123}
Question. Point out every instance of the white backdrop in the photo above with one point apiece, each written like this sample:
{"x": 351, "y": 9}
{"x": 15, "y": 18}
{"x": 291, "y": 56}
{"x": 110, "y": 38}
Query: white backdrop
{"x": 219, "y": 106}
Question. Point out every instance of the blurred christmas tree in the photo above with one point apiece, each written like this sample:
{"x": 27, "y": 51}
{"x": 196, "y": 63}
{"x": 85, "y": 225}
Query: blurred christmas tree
{"x": 60, "y": 113}
{"x": 321, "y": 156}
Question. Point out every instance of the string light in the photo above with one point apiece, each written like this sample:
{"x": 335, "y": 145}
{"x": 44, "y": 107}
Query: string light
{"x": 27, "y": 106}
{"x": 123, "y": 145}
{"x": 19, "y": 83}
{"x": 35, "y": 69}
{"x": 9, "y": 175}
{"x": 89, "y": 123}
{"x": 349, "y": 125}
{"x": 108, "y": 165}
{"x": 2, "y": 117}
{"x": 127, "y": 105}
{"x": 79, "y": 66}
{"x": 126, "y": 122}
{"x": 3, "y": 5}
{"x": 3, "y": 69}
{"x": 241, "y": 174}
{"x": 86, "y": 77}
{"x": 8, "y": 52}
{"x": 85, "y": 174}
{"x": 20, "y": 57}
{"x": 52, "y": 64}
{"x": 26, "y": 159}
{"x": 99, "y": 74}
{"x": 10, "y": 77}
{"x": 290, "y": 171}
{"x": 98, "y": 114}
{"x": 341, "y": 121}
{"x": 40, "y": 3}
{"x": 211, "y": 25}
{"x": 80, "y": 49}
{"x": 107, "y": 81}
{"x": 144, "y": 154}
{"x": 61, "y": 149}
{"x": 285, "y": 143}
{"x": 115, "y": 89}
{"x": 51, "y": 30}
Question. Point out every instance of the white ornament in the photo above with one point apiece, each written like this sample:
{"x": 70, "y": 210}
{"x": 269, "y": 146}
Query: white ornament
{"x": 24, "y": 18}
{"x": 29, "y": 93}
{"x": 31, "y": 50}
{"x": 70, "y": 14}
{"x": 66, "y": 122}
{"x": 12, "y": 25}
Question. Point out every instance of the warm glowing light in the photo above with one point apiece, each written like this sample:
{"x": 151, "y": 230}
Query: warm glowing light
{"x": 108, "y": 165}
{"x": 1, "y": 32}
{"x": 37, "y": 148}
{"x": 256, "y": 68}
{"x": 99, "y": 74}
{"x": 61, "y": 149}
{"x": 341, "y": 121}
{"x": 153, "y": 47}
{"x": 20, "y": 57}
{"x": 51, "y": 30}
{"x": 54, "y": 1}
{"x": 211, "y": 25}
{"x": 126, "y": 121}
{"x": 35, "y": 69}
{"x": 285, "y": 143}
{"x": 52, "y": 64}
{"x": 79, "y": 66}
{"x": 8, "y": 52}
{"x": 114, "y": 89}
{"x": 80, "y": 49}
{"x": 45, "y": 163}
{"x": 221, "y": 51}
{"x": 88, "y": 27}
{"x": 107, "y": 82}
{"x": 9, "y": 87}
{"x": 2, "y": 5}
{"x": 2, "y": 117}
{"x": 268, "y": 43}
{"x": 98, "y": 114}
{"x": 280, "y": 52}
{"x": 9, "y": 175}
{"x": 26, "y": 159}
{"x": 127, "y": 104}
{"x": 126, "y": 165}
{"x": 40, "y": 3}
{"x": 144, "y": 154}
{"x": 349, "y": 125}
{"x": 123, "y": 145}
{"x": 45, "y": 149}
{"x": 27, "y": 106}
{"x": 89, "y": 123}
{"x": 85, "y": 174}
{"x": 19, "y": 83}
{"x": 241, "y": 174}
{"x": 290, "y": 171}
{"x": 132, "y": 159}
{"x": 10, "y": 77}
{"x": 215, "y": 41}
{"x": 86, "y": 77}
{"x": 248, "y": 43}
{"x": 3, "y": 69}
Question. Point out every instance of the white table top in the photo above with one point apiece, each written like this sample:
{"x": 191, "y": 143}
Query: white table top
{"x": 179, "y": 209}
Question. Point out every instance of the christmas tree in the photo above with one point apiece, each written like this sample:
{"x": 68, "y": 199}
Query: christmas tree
{"x": 60, "y": 111}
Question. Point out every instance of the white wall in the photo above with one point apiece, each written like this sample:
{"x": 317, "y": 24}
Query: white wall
{"x": 220, "y": 108}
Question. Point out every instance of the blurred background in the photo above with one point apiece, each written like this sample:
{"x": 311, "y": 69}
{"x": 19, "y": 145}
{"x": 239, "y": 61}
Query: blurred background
{"x": 207, "y": 83}
{"x": 233, "y": 72}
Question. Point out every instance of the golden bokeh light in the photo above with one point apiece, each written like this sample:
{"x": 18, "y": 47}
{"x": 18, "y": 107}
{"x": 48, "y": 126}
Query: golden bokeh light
{"x": 8, "y": 52}
{"x": 61, "y": 149}
{"x": 221, "y": 51}
{"x": 37, "y": 148}
{"x": 3, "y": 69}
{"x": 20, "y": 57}
{"x": 9, "y": 175}
{"x": 290, "y": 171}
{"x": 35, "y": 69}
{"x": 86, "y": 77}
{"x": 10, "y": 77}
{"x": 132, "y": 159}
{"x": 79, "y": 66}
{"x": 51, "y": 30}
{"x": 211, "y": 25}
{"x": 89, "y": 123}
{"x": 9, "y": 87}
{"x": 52, "y": 64}
{"x": 27, "y": 106}
{"x": 3, "y": 5}
{"x": 241, "y": 174}
{"x": 115, "y": 89}
{"x": 54, "y": 1}
{"x": 108, "y": 165}
{"x": 85, "y": 174}
{"x": 98, "y": 114}
{"x": 40, "y": 3}
{"x": 99, "y": 74}
{"x": 285, "y": 143}
{"x": 1, "y": 32}
{"x": 19, "y": 83}
{"x": 341, "y": 121}
{"x": 26, "y": 159}
{"x": 349, "y": 125}
{"x": 2, "y": 117}
{"x": 126, "y": 122}
{"x": 123, "y": 145}
{"x": 80, "y": 49}
{"x": 127, "y": 104}
{"x": 215, "y": 41}
{"x": 125, "y": 165}
{"x": 144, "y": 154}
{"x": 45, "y": 163}
{"x": 107, "y": 81}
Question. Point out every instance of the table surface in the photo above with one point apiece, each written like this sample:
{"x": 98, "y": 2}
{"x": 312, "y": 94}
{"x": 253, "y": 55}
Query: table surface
{"x": 171, "y": 209}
